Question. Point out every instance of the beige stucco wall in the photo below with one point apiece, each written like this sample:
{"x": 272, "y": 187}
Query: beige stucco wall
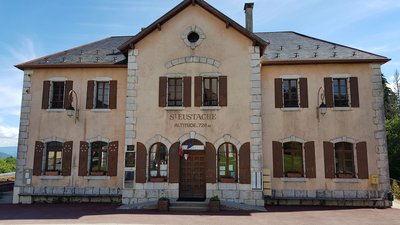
{"x": 45, "y": 124}
{"x": 356, "y": 123}
{"x": 226, "y": 45}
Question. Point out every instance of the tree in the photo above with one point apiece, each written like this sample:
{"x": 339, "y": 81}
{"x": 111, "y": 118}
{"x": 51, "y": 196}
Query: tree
{"x": 390, "y": 100}
{"x": 8, "y": 165}
{"x": 393, "y": 141}
{"x": 396, "y": 80}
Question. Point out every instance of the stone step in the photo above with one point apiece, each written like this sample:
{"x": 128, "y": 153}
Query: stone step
{"x": 189, "y": 206}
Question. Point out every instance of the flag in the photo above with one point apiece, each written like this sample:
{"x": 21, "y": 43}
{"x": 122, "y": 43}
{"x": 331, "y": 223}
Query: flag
{"x": 190, "y": 144}
{"x": 180, "y": 152}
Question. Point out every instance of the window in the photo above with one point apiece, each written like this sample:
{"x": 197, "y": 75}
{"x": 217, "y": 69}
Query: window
{"x": 175, "y": 90}
{"x": 293, "y": 159}
{"x": 54, "y": 156}
{"x": 290, "y": 93}
{"x": 57, "y": 95}
{"x": 102, "y": 94}
{"x": 210, "y": 91}
{"x": 98, "y": 158}
{"x": 227, "y": 163}
{"x": 158, "y": 162}
{"x": 340, "y": 94}
{"x": 344, "y": 160}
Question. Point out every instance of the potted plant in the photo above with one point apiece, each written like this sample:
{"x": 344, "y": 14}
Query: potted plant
{"x": 227, "y": 179}
{"x": 163, "y": 204}
{"x": 344, "y": 174}
{"x": 214, "y": 204}
{"x": 294, "y": 174}
{"x": 157, "y": 179}
{"x": 52, "y": 173}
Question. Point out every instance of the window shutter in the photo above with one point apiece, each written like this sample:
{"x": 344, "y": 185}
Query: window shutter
{"x": 38, "y": 158}
{"x": 68, "y": 87}
{"x": 83, "y": 158}
{"x": 303, "y": 93}
{"x": 113, "y": 94}
{"x": 309, "y": 149}
{"x": 141, "y": 160}
{"x": 45, "y": 94}
{"x": 187, "y": 91}
{"x": 278, "y": 93}
{"x": 328, "y": 92}
{"x": 113, "y": 159}
{"x": 211, "y": 168}
{"x": 223, "y": 91}
{"x": 355, "y": 101}
{"x": 174, "y": 163}
{"x": 277, "y": 156}
{"x": 90, "y": 94}
{"x": 244, "y": 164}
{"x": 162, "y": 92}
{"x": 198, "y": 91}
{"x": 329, "y": 160}
{"x": 67, "y": 158}
{"x": 362, "y": 160}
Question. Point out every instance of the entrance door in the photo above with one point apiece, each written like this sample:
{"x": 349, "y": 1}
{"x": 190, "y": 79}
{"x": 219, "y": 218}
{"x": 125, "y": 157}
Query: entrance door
{"x": 192, "y": 183}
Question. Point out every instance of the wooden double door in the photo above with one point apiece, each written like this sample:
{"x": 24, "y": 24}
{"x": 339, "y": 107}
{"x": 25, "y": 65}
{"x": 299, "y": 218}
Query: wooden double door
{"x": 192, "y": 182}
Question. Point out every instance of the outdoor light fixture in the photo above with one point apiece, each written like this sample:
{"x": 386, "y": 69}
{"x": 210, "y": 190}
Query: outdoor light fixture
{"x": 321, "y": 108}
{"x": 71, "y": 111}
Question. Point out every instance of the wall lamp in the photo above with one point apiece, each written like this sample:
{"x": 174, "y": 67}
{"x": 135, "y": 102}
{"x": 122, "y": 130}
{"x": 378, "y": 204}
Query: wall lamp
{"x": 71, "y": 110}
{"x": 321, "y": 108}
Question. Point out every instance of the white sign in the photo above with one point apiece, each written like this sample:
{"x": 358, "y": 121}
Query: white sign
{"x": 193, "y": 148}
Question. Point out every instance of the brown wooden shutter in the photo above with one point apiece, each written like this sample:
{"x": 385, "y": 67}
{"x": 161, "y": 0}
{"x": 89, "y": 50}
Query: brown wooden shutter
{"x": 211, "y": 168}
{"x": 355, "y": 100}
{"x": 303, "y": 93}
{"x": 141, "y": 160}
{"x": 174, "y": 163}
{"x": 83, "y": 158}
{"x": 113, "y": 159}
{"x": 38, "y": 158}
{"x": 45, "y": 94}
{"x": 223, "y": 91}
{"x": 278, "y": 93}
{"x": 90, "y": 94}
{"x": 244, "y": 164}
{"x": 309, "y": 149}
{"x": 198, "y": 91}
{"x": 362, "y": 160}
{"x": 329, "y": 160}
{"x": 68, "y": 87}
{"x": 113, "y": 94}
{"x": 67, "y": 158}
{"x": 162, "y": 92}
{"x": 277, "y": 155}
{"x": 187, "y": 91}
{"x": 328, "y": 92}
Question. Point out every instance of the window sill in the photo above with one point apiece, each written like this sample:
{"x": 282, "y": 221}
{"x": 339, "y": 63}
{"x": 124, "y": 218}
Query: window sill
{"x": 97, "y": 177}
{"x": 51, "y": 177}
{"x": 56, "y": 110}
{"x": 346, "y": 180}
{"x": 294, "y": 179}
{"x": 210, "y": 107}
{"x": 342, "y": 109}
{"x": 174, "y": 108}
{"x": 294, "y": 109}
{"x": 101, "y": 110}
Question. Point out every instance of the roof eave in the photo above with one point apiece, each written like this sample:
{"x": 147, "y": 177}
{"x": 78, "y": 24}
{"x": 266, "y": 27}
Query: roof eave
{"x": 44, "y": 66}
{"x": 324, "y": 61}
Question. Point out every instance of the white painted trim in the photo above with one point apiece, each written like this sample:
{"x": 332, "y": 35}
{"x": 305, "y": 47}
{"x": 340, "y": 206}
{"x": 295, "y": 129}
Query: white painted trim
{"x": 102, "y": 79}
{"x": 98, "y": 138}
{"x": 340, "y": 75}
{"x": 291, "y": 109}
{"x": 101, "y": 110}
{"x": 342, "y": 109}
{"x": 56, "y": 110}
{"x": 210, "y": 74}
{"x": 174, "y": 75}
{"x": 294, "y": 179}
{"x": 293, "y": 138}
{"x": 57, "y": 79}
{"x": 290, "y": 77}
{"x": 344, "y": 139}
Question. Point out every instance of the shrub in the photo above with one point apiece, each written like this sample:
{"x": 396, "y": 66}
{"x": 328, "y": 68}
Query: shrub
{"x": 396, "y": 189}
{"x": 214, "y": 198}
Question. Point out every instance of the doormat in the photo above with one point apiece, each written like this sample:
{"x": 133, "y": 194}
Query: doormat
{"x": 191, "y": 199}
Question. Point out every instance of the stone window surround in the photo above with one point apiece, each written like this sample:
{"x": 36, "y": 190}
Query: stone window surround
{"x": 353, "y": 142}
{"x": 55, "y": 79}
{"x": 193, "y": 59}
{"x": 44, "y": 157}
{"x": 90, "y": 141}
{"x": 99, "y": 79}
{"x": 343, "y": 76}
{"x": 291, "y": 77}
{"x": 191, "y": 29}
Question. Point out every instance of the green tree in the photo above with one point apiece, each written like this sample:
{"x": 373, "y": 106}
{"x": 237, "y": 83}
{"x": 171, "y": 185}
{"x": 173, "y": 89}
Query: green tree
{"x": 390, "y": 100}
{"x": 8, "y": 165}
{"x": 393, "y": 141}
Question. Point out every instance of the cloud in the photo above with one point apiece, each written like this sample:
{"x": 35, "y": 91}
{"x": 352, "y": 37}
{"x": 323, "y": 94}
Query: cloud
{"x": 8, "y": 136}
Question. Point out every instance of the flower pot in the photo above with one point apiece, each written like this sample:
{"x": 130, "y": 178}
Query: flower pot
{"x": 97, "y": 173}
{"x": 294, "y": 175}
{"x": 345, "y": 175}
{"x": 157, "y": 179}
{"x": 214, "y": 206}
{"x": 163, "y": 205}
{"x": 227, "y": 180}
{"x": 52, "y": 173}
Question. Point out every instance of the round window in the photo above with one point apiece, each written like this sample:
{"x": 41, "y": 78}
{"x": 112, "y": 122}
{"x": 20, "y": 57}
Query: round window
{"x": 193, "y": 37}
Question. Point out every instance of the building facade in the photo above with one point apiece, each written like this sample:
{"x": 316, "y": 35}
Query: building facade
{"x": 195, "y": 106}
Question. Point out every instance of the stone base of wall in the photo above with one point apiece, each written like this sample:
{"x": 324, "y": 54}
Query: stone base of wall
{"x": 341, "y": 203}
{"x": 76, "y": 199}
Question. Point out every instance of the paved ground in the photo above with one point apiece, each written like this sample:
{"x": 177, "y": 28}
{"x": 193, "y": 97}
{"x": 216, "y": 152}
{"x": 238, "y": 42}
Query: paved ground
{"x": 108, "y": 214}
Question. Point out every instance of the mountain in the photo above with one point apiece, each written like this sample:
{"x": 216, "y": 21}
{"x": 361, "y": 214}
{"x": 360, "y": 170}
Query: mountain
{"x": 4, "y": 155}
{"x": 10, "y": 151}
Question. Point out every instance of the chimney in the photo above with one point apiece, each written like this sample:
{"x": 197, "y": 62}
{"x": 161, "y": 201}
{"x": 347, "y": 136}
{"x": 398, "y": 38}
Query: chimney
{"x": 248, "y": 9}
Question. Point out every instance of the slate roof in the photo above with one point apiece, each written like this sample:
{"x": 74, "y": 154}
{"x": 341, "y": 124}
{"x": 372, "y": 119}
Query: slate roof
{"x": 102, "y": 53}
{"x": 291, "y": 47}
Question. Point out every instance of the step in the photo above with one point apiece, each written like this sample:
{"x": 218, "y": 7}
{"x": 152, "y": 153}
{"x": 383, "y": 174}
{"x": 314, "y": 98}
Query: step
{"x": 188, "y": 206}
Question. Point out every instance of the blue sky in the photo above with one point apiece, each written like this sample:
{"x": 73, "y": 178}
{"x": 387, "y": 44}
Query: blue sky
{"x": 32, "y": 29}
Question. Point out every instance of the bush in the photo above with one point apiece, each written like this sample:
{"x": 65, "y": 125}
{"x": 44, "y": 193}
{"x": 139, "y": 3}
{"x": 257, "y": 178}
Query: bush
{"x": 396, "y": 189}
{"x": 8, "y": 165}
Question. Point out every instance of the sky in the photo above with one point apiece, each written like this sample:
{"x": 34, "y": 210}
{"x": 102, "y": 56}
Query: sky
{"x": 31, "y": 29}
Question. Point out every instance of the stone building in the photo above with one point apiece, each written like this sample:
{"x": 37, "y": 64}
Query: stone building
{"x": 194, "y": 106}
